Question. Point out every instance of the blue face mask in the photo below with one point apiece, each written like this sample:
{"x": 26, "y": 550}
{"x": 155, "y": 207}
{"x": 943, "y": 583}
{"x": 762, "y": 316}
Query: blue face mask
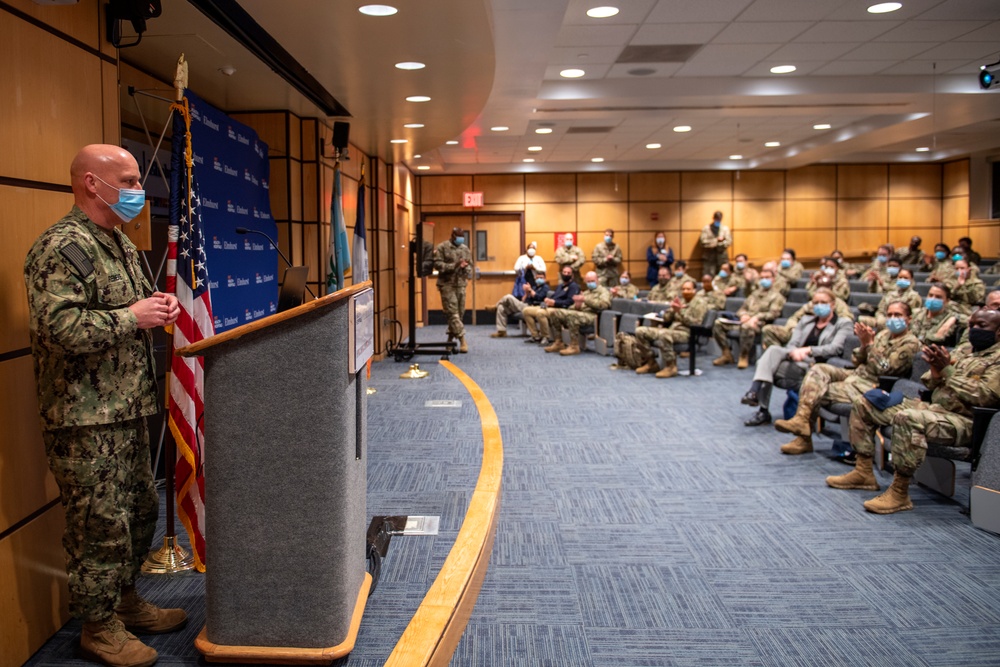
{"x": 933, "y": 304}
{"x": 956, "y": 257}
{"x": 539, "y": 281}
{"x": 715, "y": 224}
{"x": 130, "y": 202}
{"x": 882, "y": 259}
{"x": 623, "y": 281}
{"x": 591, "y": 285}
{"x": 829, "y": 270}
{"x": 678, "y": 274}
{"x": 723, "y": 275}
{"x": 893, "y": 271}
{"x": 896, "y": 325}
{"x": 821, "y": 310}
{"x": 786, "y": 263}
{"x": 765, "y": 283}
{"x": 568, "y": 243}
{"x": 940, "y": 254}
{"x": 740, "y": 266}
{"x": 903, "y": 283}
{"x": 459, "y": 240}
{"x": 608, "y": 239}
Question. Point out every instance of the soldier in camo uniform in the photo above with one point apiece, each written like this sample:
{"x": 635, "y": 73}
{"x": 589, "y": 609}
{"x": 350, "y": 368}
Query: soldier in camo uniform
{"x": 685, "y": 311}
{"x": 607, "y": 258}
{"x": 966, "y": 378}
{"x": 890, "y": 352}
{"x": 902, "y": 290}
{"x": 453, "y": 262}
{"x": 583, "y": 313}
{"x": 762, "y": 306}
{"x": 572, "y": 256}
{"x": 625, "y": 289}
{"x": 939, "y": 319}
{"x": 91, "y": 311}
{"x": 730, "y": 280}
{"x": 714, "y": 295}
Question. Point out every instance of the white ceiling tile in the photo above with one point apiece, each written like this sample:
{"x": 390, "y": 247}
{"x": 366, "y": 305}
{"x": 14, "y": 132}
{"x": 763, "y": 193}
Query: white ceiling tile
{"x": 609, "y": 35}
{"x": 570, "y": 56}
{"x": 739, "y": 54}
{"x": 633, "y": 11}
{"x": 979, "y": 10}
{"x": 853, "y": 10}
{"x": 854, "y": 67}
{"x": 887, "y": 51}
{"x": 990, "y": 32}
{"x": 961, "y": 51}
{"x": 696, "y": 11}
{"x": 846, "y": 31}
{"x": 621, "y": 70}
{"x": 751, "y": 32}
{"x": 917, "y": 67}
{"x": 789, "y": 10}
{"x": 930, "y": 31}
{"x": 677, "y": 33}
{"x": 794, "y": 52}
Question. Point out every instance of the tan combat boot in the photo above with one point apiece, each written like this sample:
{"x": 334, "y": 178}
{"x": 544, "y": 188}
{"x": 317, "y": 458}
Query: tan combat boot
{"x": 570, "y": 351}
{"x": 498, "y": 334}
{"x": 463, "y": 347}
{"x": 861, "y": 477}
{"x": 800, "y": 424}
{"x": 140, "y": 615}
{"x": 895, "y": 499}
{"x": 109, "y": 643}
{"x": 744, "y": 361}
{"x": 668, "y": 371}
{"x": 800, "y": 445}
{"x": 556, "y": 346}
{"x": 649, "y": 367}
{"x": 725, "y": 358}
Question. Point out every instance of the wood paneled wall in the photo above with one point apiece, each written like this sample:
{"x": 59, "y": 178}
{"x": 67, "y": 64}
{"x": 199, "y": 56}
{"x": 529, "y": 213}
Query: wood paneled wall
{"x": 813, "y": 209}
{"x": 61, "y": 77}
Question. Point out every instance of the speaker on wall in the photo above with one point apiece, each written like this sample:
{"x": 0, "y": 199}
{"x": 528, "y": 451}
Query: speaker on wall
{"x": 341, "y": 133}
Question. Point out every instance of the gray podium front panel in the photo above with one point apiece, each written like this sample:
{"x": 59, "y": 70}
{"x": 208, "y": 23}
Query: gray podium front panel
{"x": 285, "y": 475}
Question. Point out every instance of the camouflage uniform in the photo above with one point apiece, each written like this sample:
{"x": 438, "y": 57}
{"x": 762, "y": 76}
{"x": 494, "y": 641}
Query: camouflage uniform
{"x": 714, "y": 253}
{"x": 673, "y": 288}
{"x": 825, "y": 384}
{"x": 573, "y": 318}
{"x": 607, "y": 269}
{"x": 882, "y": 270}
{"x": 908, "y": 296}
{"x": 780, "y": 334}
{"x": 968, "y": 294}
{"x": 678, "y": 331}
{"x": 573, "y": 257}
{"x": 841, "y": 287}
{"x": 96, "y": 384}
{"x": 660, "y": 293}
{"x": 629, "y": 291}
{"x": 766, "y": 304}
{"x": 972, "y": 380}
{"x": 925, "y": 325}
{"x": 716, "y": 298}
{"x": 909, "y": 257}
{"x": 451, "y": 283}
{"x": 792, "y": 274}
{"x": 736, "y": 280}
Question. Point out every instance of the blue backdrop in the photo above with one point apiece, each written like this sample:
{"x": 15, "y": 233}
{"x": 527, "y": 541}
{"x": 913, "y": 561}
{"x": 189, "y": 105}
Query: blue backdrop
{"x": 232, "y": 171}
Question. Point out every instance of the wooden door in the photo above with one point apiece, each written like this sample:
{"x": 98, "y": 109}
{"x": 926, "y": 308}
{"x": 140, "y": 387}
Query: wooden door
{"x": 496, "y": 243}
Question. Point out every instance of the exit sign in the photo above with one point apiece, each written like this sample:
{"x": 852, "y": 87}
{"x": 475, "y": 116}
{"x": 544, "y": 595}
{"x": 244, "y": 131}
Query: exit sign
{"x": 471, "y": 199}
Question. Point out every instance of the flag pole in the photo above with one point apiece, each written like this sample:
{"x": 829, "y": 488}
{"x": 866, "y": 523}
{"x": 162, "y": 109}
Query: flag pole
{"x": 171, "y": 557}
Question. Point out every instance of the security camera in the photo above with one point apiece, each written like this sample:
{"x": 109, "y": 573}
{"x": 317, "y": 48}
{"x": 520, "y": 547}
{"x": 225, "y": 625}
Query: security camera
{"x": 988, "y": 77}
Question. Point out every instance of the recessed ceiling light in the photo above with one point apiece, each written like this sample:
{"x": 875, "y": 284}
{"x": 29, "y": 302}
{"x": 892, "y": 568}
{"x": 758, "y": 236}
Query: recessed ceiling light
{"x": 682, "y": 128}
{"x": 597, "y": 159}
{"x": 821, "y": 126}
{"x": 572, "y": 73}
{"x": 735, "y": 157}
{"x": 653, "y": 146}
{"x": 418, "y": 98}
{"x": 378, "y": 10}
{"x": 772, "y": 144}
{"x": 410, "y": 65}
{"x": 423, "y": 167}
{"x": 451, "y": 143}
{"x": 783, "y": 69}
{"x": 534, "y": 149}
{"x": 884, "y": 7}
{"x": 544, "y": 130}
{"x": 397, "y": 141}
{"x": 602, "y": 12}
{"x": 923, "y": 149}
{"x": 414, "y": 126}
{"x": 499, "y": 128}
{"x": 528, "y": 159}
{"x": 417, "y": 157}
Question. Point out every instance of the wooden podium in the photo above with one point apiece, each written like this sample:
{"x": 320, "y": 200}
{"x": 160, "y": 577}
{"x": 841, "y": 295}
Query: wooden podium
{"x": 285, "y": 480}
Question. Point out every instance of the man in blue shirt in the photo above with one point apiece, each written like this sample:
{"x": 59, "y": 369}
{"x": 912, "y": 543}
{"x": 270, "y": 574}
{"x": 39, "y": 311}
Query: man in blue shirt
{"x": 536, "y": 317}
{"x": 534, "y": 295}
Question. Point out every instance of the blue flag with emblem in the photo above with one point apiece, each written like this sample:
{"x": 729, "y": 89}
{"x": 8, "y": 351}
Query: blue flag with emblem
{"x": 340, "y": 255}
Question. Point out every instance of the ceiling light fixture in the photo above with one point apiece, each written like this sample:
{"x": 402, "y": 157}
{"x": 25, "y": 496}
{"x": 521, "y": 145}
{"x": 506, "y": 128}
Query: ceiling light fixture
{"x": 410, "y": 65}
{"x": 417, "y": 157}
{"x": 544, "y": 130}
{"x": 682, "y": 128}
{"x": 397, "y": 141}
{"x": 735, "y": 157}
{"x": 499, "y": 128}
{"x": 772, "y": 144}
{"x": 528, "y": 159}
{"x": 782, "y": 69}
{"x": 571, "y": 73}
{"x": 602, "y": 12}
{"x": 423, "y": 167}
{"x": 923, "y": 149}
{"x": 451, "y": 143}
{"x": 534, "y": 149}
{"x": 377, "y": 10}
{"x": 414, "y": 126}
{"x": 884, "y": 7}
{"x": 653, "y": 146}
{"x": 821, "y": 126}
{"x": 418, "y": 98}
{"x": 597, "y": 159}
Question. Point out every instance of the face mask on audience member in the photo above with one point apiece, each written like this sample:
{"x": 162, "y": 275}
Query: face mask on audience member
{"x": 662, "y": 281}
{"x": 829, "y": 270}
{"x": 591, "y": 285}
{"x": 821, "y": 310}
{"x": 567, "y": 278}
{"x": 903, "y": 284}
{"x": 723, "y": 275}
{"x": 839, "y": 261}
{"x": 896, "y": 325}
{"x": 786, "y": 263}
{"x": 933, "y": 304}
{"x": 607, "y": 239}
{"x": 715, "y": 224}
{"x": 882, "y": 259}
{"x": 678, "y": 274}
{"x": 568, "y": 243}
{"x": 940, "y": 255}
{"x": 766, "y": 283}
{"x": 531, "y": 252}
{"x": 539, "y": 281}
{"x": 623, "y": 280}
{"x": 459, "y": 240}
{"x": 956, "y": 257}
{"x": 982, "y": 339}
{"x": 893, "y": 271}
{"x": 660, "y": 241}
{"x": 740, "y": 266}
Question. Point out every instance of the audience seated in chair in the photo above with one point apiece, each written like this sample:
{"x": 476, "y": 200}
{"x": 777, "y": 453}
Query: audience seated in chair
{"x": 939, "y": 320}
{"x": 534, "y": 295}
{"x": 536, "y": 318}
{"x": 761, "y": 307}
{"x": 829, "y": 266}
{"x": 625, "y": 289}
{"x": 967, "y": 289}
{"x": 687, "y": 310}
{"x": 900, "y": 290}
{"x": 583, "y": 312}
{"x": 779, "y": 334}
{"x": 713, "y": 293}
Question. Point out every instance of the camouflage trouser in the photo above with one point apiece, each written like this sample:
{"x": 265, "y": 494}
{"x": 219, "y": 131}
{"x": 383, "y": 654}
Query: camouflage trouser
{"x": 106, "y": 487}
{"x": 574, "y": 320}
{"x": 825, "y": 385}
{"x": 748, "y": 336}
{"x": 775, "y": 334}
{"x": 607, "y": 277}
{"x": 664, "y": 339}
{"x": 536, "y": 319}
{"x": 914, "y": 424}
{"x": 506, "y": 307}
{"x": 712, "y": 259}
{"x": 453, "y": 305}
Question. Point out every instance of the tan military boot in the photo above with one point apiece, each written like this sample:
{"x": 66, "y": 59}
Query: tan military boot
{"x": 570, "y": 351}
{"x": 463, "y": 347}
{"x": 498, "y": 334}
{"x": 668, "y": 371}
{"x": 744, "y": 361}
{"x": 556, "y": 346}
{"x": 895, "y": 499}
{"x": 140, "y": 615}
{"x": 800, "y": 424}
{"x": 649, "y": 367}
{"x": 861, "y": 477}
{"x": 109, "y": 643}
{"x": 800, "y": 445}
{"x": 725, "y": 358}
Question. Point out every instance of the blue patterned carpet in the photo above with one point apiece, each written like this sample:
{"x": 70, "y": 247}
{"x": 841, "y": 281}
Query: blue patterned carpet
{"x": 643, "y": 524}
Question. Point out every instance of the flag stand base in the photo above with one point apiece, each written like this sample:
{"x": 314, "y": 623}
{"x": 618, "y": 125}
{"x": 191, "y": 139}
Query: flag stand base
{"x": 170, "y": 558}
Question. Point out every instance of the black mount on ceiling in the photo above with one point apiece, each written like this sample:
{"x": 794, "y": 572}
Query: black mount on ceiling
{"x": 135, "y": 12}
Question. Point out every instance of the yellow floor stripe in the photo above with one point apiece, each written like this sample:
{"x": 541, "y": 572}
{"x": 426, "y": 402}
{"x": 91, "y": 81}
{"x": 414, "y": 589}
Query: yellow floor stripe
{"x": 436, "y": 627}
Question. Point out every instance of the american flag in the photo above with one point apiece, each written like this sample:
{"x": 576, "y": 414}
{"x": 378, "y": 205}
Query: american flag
{"x": 187, "y": 278}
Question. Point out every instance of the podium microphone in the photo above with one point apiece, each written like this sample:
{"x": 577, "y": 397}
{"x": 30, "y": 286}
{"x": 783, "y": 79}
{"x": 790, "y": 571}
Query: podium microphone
{"x": 244, "y": 230}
